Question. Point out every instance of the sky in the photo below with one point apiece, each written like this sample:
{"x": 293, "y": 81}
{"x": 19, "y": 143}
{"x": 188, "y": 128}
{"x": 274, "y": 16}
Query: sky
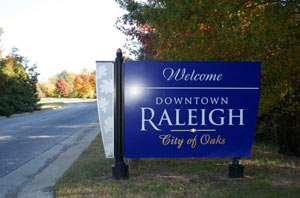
{"x": 61, "y": 34}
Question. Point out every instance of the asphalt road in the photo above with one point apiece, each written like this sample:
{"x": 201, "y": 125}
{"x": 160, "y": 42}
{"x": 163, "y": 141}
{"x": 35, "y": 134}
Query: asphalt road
{"x": 25, "y": 137}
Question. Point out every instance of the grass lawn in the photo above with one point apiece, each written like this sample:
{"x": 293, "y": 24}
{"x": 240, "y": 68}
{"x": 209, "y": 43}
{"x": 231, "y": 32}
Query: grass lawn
{"x": 45, "y": 103}
{"x": 267, "y": 174}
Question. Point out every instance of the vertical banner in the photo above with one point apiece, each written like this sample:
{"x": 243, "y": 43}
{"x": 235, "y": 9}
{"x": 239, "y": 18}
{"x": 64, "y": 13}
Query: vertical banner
{"x": 105, "y": 102}
{"x": 190, "y": 109}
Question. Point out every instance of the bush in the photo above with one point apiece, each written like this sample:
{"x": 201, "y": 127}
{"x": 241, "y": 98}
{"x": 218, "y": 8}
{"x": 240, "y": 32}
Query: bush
{"x": 289, "y": 134}
{"x": 281, "y": 126}
{"x": 18, "y": 85}
{"x": 6, "y": 109}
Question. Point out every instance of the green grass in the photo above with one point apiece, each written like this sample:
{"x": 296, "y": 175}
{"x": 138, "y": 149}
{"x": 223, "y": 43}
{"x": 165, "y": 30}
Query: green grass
{"x": 267, "y": 175}
{"x": 49, "y": 104}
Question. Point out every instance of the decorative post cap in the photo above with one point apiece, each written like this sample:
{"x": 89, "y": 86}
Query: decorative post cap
{"x": 119, "y": 53}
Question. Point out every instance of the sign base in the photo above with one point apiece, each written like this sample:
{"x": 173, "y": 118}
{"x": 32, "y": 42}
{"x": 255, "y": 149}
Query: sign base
{"x": 120, "y": 171}
{"x": 236, "y": 170}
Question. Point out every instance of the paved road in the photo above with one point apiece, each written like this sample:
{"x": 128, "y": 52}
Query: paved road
{"x": 24, "y": 138}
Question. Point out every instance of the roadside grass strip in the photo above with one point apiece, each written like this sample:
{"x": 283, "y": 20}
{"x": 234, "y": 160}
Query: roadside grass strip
{"x": 49, "y": 104}
{"x": 268, "y": 174}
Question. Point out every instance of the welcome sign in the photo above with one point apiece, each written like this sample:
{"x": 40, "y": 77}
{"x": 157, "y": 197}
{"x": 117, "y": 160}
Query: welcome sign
{"x": 190, "y": 109}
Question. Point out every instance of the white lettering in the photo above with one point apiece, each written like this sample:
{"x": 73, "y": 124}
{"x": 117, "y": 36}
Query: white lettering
{"x": 241, "y": 116}
{"x": 204, "y": 101}
{"x": 168, "y": 100}
{"x": 178, "y": 118}
{"x": 191, "y": 116}
{"x": 158, "y": 100}
{"x": 148, "y": 120}
{"x": 178, "y": 100}
{"x": 216, "y": 117}
{"x": 182, "y": 74}
{"x": 210, "y": 117}
{"x": 203, "y": 116}
{"x": 165, "y": 116}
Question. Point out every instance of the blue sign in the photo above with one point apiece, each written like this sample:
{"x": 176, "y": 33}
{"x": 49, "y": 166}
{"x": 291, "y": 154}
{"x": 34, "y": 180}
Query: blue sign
{"x": 190, "y": 109}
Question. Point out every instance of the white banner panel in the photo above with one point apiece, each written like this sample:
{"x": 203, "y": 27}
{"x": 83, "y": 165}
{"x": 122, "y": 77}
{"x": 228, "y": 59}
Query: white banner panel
{"x": 105, "y": 101}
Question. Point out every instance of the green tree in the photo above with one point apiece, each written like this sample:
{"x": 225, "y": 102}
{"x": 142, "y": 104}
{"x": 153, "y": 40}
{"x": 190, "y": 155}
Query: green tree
{"x": 17, "y": 84}
{"x": 258, "y": 30}
{"x": 208, "y": 30}
{"x": 1, "y": 32}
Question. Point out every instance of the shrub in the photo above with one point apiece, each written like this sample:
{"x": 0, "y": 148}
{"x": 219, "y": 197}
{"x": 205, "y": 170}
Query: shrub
{"x": 17, "y": 85}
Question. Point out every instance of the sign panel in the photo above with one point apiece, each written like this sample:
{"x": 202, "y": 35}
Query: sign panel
{"x": 105, "y": 103}
{"x": 190, "y": 109}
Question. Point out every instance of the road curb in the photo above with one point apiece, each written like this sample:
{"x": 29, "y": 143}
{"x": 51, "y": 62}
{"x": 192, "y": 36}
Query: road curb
{"x": 48, "y": 177}
{"x": 43, "y": 171}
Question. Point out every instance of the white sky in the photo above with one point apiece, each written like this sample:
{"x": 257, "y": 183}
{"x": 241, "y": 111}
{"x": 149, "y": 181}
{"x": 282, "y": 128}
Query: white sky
{"x": 61, "y": 34}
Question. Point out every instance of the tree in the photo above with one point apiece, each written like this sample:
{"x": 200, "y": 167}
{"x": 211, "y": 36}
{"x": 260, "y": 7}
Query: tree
{"x": 136, "y": 49}
{"x": 85, "y": 84}
{"x": 53, "y": 79}
{"x": 46, "y": 89}
{"x": 62, "y": 88}
{"x": 64, "y": 74}
{"x": 69, "y": 78}
{"x": 93, "y": 83}
{"x": 1, "y": 32}
{"x": 260, "y": 30}
{"x": 17, "y": 84}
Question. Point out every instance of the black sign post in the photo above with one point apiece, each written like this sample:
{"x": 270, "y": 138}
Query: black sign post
{"x": 119, "y": 169}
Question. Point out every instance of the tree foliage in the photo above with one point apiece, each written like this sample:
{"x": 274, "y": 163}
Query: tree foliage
{"x": 69, "y": 84}
{"x": 267, "y": 31}
{"x": 62, "y": 88}
{"x": 52, "y": 89}
{"x": 85, "y": 84}
{"x": 46, "y": 89}
{"x": 17, "y": 84}
{"x": 1, "y": 32}
{"x": 259, "y": 30}
{"x": 69, "y": 77}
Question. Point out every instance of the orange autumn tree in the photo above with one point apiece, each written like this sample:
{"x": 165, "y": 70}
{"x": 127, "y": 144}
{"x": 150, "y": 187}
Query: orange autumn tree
{"x": 61, "y": 88}
{"x": 93, "y": 81}
{"x": 85, "y": 84}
